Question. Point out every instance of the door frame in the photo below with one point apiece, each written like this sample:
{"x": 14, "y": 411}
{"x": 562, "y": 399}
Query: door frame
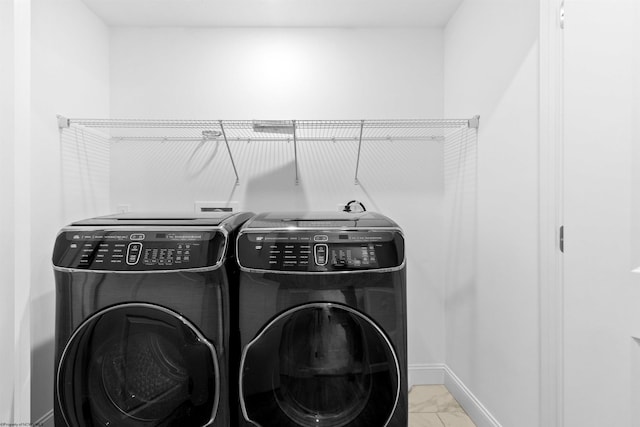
{"x": 551, "y": 284}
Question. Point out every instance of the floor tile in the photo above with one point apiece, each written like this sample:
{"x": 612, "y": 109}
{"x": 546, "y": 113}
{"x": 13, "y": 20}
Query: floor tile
{"x": 432, "y": 398}
{"x": 424, "y": 420}
{"x": 455, "y": 419}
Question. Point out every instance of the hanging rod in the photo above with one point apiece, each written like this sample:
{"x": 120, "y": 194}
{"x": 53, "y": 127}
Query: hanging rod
{"x": 249, "y": 139}
{"x": 276, "y": 127}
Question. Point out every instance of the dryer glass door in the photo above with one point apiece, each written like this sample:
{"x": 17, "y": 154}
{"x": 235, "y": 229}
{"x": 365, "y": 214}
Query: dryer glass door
{"x": 138, "y": 365}
{"x": 323, "y": 365}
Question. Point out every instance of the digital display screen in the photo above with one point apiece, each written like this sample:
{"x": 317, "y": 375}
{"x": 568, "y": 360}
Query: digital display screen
{"x": 353, "y": 256}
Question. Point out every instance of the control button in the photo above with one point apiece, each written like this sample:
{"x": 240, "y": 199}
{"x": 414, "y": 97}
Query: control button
{"x": 137, "y": 236}
{"x": 340, "y": 262}
{"x": 320, "y": 238}
{"x": 320, "y": 253}
{"x": 133, "y": 253}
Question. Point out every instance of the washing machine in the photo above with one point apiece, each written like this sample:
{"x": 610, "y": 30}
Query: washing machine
{"x": 143, "y": 320}
{"x": 322, "y": 321}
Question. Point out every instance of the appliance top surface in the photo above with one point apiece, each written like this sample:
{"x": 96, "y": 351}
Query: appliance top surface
{"x": 321, "y": 220}
{"x": 170, "y": 219}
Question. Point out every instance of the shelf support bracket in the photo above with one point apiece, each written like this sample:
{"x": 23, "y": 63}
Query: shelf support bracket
{"x": 63, "y": 122}
{"x": 226, "y": 142}
{"x": 295, "y": 149}
{"x": 474, "y": 122}
{"x": 359, "y": 149}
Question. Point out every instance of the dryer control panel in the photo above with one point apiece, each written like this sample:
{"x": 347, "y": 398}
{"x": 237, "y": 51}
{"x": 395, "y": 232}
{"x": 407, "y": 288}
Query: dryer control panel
{"x": 320, "y": 251}
{"x": 134, "y": 250}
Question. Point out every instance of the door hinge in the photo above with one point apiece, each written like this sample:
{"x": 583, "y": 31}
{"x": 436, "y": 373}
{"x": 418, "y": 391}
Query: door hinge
{"x": 562, "y": 15}
{"x": 561, "y": 238}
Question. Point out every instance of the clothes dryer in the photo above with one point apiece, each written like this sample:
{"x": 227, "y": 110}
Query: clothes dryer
{"x": 143, "y": 320}
{"x": 322, "y": 318}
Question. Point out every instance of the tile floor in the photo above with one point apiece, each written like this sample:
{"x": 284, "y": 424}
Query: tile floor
{"x": 433, "y": 406}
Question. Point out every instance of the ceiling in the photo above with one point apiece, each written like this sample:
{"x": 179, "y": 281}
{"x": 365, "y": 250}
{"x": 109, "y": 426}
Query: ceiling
{"x": 275, "y": 13}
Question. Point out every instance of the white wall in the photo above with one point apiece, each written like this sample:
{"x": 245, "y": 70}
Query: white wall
{"x": 255, "y": 73}
{"x": 291, "y": 74}
{"x": 69, "y": 76}
{"x": 492, "y": 326}
{"x": 21, "y": 209}
{"x": 6, "y": 208}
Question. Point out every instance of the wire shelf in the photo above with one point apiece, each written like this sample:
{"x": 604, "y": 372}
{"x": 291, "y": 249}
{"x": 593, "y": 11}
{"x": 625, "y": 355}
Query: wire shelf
{"x": 294, "y": 131}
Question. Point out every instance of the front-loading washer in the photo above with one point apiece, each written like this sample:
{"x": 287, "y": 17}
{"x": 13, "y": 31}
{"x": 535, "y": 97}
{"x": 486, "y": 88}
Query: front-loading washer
{"x": 322, "y": 321}
{"x": 143, "y": 320}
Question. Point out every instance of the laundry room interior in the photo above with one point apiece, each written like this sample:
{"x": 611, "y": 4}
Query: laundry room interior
{"x": 525, "y": 126}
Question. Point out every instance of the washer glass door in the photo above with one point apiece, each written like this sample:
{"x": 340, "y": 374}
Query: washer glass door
{"x": 320, "y": 364}
{"x": 138, "y": 365}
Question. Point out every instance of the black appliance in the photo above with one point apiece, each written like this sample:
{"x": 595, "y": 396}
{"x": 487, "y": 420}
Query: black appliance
{"x": 143, "y": 320}
{"x": 322, "y": 318}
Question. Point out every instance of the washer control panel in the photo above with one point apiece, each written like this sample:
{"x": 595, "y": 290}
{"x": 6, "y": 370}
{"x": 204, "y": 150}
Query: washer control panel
{"x": 311, "y": 251}
{"x": 131, "y": 250}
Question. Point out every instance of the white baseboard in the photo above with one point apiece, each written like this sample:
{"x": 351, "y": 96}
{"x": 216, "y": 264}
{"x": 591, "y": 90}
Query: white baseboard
{"x": 439, "y": 373}
{"x": 432, "y": 373}
{"x": 470, "y": 403}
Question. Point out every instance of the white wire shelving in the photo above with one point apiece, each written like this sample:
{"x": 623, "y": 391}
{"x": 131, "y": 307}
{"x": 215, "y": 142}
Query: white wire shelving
{"x": 295, "y": 131}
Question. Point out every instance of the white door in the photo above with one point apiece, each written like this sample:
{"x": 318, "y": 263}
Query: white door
{"x": 601, "y": 213}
